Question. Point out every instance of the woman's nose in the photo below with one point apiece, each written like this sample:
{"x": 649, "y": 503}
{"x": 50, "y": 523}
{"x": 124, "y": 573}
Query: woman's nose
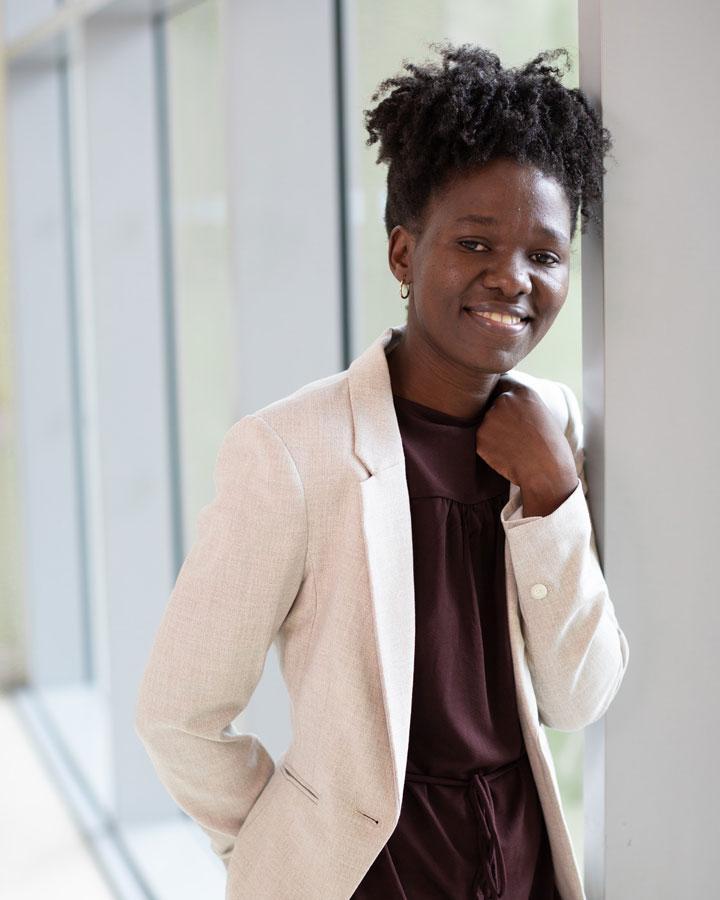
{"x": 512, "y": 278}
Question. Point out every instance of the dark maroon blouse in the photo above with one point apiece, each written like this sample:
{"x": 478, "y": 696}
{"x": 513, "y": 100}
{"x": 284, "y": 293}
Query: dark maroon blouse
{"x": 471, "y": 824}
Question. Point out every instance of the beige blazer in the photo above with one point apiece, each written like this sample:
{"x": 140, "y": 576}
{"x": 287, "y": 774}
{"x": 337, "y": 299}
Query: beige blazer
{"x": 307, "y": 544}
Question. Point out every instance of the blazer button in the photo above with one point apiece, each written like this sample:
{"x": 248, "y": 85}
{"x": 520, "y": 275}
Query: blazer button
{"x": 538, "y": 591}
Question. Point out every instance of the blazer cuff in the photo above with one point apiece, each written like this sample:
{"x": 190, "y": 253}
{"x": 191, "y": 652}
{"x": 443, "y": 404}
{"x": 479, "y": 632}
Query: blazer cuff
{"x": 512, "y": 513}
{"x": 541, "y": 547}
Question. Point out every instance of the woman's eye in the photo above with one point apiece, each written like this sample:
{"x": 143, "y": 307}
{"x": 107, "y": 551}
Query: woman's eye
{"x": 549, "y": 259}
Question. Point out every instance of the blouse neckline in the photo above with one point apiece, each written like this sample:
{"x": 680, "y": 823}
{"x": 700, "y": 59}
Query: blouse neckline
{"x": 436, "y": 415}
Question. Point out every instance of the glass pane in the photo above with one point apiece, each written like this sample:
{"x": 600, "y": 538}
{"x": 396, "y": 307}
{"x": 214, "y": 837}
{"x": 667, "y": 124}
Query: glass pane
{"x": 202, "y": 301}
{"x": 379, "y": 37}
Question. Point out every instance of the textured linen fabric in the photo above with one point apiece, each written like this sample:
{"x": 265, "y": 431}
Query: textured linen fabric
{"x": 461, "y": 836}
{"x": 307, "y": 546}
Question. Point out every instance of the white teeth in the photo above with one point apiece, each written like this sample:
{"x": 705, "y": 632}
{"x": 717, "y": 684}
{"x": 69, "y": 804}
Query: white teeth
{"x": 499, "y": 317}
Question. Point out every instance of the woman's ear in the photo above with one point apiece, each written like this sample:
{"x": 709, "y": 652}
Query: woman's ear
{"x": 400, "y": 243}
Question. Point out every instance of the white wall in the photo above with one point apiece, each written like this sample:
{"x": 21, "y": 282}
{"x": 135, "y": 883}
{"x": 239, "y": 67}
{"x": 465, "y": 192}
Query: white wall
{"x": 658, "y": 436}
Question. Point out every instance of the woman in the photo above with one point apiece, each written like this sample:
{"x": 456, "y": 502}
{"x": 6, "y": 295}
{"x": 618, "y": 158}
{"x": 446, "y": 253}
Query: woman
{"x": 413, "y": 535}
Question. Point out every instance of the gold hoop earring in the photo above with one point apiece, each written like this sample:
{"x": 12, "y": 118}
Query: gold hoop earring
{"x": 404, "y": 296}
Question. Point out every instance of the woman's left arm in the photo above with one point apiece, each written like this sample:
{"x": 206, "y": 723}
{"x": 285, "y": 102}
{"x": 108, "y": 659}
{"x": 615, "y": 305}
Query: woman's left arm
{"x": 576, "y": 651}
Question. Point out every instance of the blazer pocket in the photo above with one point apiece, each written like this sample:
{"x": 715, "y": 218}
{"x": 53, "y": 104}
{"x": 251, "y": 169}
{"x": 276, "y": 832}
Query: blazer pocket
{"x": 298, "y": 782}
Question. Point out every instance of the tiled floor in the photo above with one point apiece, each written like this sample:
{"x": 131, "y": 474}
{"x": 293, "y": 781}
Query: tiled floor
{"x": 42, "y": 854}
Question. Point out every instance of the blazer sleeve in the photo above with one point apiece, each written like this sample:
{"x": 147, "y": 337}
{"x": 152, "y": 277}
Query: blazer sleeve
{"x": 577, "y": 653}
{"x": 235, "y": 588}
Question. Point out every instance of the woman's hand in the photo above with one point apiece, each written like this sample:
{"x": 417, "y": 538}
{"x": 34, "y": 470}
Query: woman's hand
{"x": 520, "y": 438}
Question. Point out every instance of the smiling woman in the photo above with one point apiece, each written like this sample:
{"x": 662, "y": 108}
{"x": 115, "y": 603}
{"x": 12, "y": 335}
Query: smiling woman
{"x": 413, "y": 536}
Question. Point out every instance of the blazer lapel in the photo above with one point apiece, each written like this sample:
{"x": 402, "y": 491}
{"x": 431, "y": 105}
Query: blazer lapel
{"x": 388, "y": 538}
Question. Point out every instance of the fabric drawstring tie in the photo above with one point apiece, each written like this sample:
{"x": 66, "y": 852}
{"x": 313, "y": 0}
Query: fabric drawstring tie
{"x": 490, "y": 877}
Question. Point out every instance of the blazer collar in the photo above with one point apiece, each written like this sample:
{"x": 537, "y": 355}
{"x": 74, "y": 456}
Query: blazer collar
{"x": 377, "y": 435}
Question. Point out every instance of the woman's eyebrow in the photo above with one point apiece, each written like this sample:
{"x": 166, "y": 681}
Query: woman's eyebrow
{"x": 476, "y": 219}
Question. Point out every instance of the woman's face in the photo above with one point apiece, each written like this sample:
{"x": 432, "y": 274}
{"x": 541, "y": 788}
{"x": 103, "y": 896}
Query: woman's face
{"x": 497, "y": 235}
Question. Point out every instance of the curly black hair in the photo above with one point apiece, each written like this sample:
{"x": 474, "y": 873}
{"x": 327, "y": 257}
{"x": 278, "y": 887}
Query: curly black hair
{"x": 444, "y": 118}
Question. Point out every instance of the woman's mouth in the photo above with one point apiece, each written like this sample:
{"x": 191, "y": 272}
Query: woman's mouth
{"x": 495, "y": 323}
